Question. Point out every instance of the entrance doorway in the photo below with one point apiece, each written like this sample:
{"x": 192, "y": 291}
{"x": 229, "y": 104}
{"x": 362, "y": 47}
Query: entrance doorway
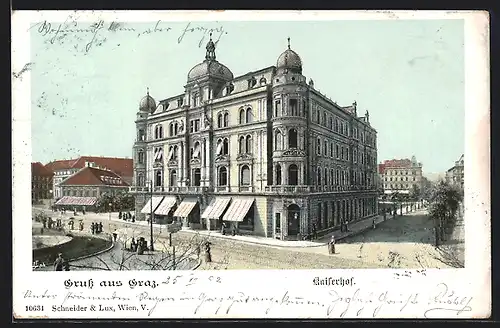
{"x": 293, "y": 220}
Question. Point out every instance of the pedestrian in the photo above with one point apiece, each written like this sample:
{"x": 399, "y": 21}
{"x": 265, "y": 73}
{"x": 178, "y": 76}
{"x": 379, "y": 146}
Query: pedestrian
{"x": 133, "y": 245}
{"x": 208, "y": 255}
{"x": 373, "y": 224}
{"x": 115, "y": 235}
{"x": 315, "y": 233}
{"x": 58, "y": 264}
{"x": 119, "y": 215}
{"x": 81, "y": 225}
{"x": 346, "y": 226}
{"x": 198, "y": 251}
{"x": 92, "y": 227}
{"x": 41, "y": 231}
{"x": 233, "y": 232}
{"x": 100, "y": 226}
{"x": 223, "y": 229}
{"x": 332, "y": 245}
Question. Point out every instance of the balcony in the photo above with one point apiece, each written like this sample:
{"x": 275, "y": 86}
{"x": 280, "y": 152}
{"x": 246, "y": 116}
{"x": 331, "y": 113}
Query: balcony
{"x": 317, "y": 189}
{"x": 171, "y": 189}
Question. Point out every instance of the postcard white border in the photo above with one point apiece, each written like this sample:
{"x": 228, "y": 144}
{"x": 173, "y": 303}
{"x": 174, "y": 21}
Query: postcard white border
{"x": 474, "y": 280}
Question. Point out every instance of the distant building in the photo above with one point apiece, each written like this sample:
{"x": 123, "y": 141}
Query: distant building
{"x": 400, "y": 175}
{"x": 41, "y": 182}
{"x": 84, "y": 187}
{"x": 63, "y": 169}
{"x": 455, "y": 175}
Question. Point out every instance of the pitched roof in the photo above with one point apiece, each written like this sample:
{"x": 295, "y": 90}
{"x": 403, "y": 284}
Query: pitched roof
{"x": 39, "y": 169}
{"x": 403, "y": 163}
{"x": 121, "y": 166}
{"x": 91, "y": 176}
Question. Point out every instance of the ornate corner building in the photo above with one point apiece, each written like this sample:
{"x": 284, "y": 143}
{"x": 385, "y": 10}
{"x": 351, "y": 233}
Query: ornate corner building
{"x": 265, "y": 152}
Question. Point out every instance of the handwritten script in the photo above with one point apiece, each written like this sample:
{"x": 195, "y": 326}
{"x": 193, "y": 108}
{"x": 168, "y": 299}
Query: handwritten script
{"x": 91, "y": 35}
{"x": 179, "y": 294}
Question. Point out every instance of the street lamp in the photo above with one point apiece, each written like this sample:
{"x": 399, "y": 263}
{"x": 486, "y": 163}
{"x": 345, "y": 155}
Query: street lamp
{"x": 150, "y": 186}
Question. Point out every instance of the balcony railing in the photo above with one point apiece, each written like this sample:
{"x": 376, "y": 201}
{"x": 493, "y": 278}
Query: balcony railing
{"x": 313, "y": 189}
{"x": 172, "y": 189}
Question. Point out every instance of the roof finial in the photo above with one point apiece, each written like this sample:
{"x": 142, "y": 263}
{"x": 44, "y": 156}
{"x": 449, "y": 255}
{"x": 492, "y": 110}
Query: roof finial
{"x": 288, "y": 42}
{"x": 147, "y": 90}
{"x": 210, "y": 35}
{"x": 210, "y": 55}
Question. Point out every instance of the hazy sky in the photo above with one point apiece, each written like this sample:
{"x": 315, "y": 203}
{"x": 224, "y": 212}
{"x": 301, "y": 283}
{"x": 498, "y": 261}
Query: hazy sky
{"x": 408, "y": 74}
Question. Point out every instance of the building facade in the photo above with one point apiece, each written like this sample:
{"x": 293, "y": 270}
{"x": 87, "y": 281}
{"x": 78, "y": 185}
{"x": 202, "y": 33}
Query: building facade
{"x": 455, "y": 175}
{"x": 63, "y": 169}
{"x": 401, "y": 175}
{"x": 84, "y": 187}
{"x": 265, "y": 152}
{"x": 41, "y": 182}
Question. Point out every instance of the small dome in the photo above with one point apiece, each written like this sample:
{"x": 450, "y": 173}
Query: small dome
{"x": 147, "y": 104}
{"x": 211, "y": 68}
{"x": 291, "y": 60}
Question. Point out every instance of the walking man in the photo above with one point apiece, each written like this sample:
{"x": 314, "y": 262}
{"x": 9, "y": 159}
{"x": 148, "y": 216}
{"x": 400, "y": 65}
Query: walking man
{"x": 315, "y": 233}
{"x": 332, "y": 245}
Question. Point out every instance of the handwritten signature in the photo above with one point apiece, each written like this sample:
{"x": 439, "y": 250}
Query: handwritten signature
{"x": 100, "y": 31}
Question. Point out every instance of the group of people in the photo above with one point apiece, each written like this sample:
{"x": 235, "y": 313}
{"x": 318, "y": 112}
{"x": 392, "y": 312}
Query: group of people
{"x": 138, "y": 246}
{"x": 224, "y": 229}
{"x": 126, "y": 216}
{"x": 95, "y": 227}
{"x": 60, "y": 264}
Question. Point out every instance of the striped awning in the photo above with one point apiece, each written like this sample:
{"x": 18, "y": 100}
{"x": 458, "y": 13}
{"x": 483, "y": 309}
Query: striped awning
{"x": 185, "y": 208}
{"x": 156, "y": 201}
{"x": 238, "y": 209}
{"x": 165, "y": 206}
{"x": 78, "y": 201}
{"x": 216, "y": 208}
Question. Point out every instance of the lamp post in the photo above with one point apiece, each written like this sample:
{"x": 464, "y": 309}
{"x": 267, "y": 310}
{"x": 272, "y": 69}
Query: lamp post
{"x": 150, "y": 183}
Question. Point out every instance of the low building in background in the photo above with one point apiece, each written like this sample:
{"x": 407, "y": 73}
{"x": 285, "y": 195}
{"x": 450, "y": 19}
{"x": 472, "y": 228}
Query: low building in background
{"x": 63, "y": 169}
{"x": 83, "y": 188}
{"x": 41, "y": 183}
{"x": 455, "y": 175}
{"x": 400, "y": 175}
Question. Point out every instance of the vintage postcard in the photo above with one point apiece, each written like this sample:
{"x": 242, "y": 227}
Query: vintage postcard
{"x": 245, "y": 164}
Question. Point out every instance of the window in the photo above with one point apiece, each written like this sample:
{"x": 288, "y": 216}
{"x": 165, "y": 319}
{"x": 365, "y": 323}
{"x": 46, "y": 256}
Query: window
{"x": 196, "y": 100}
{"x": 292, "y": 138}
{"x": 140, "y": 156}
{"x": 173, "y": 178}
{"x": 342, "y": 153}
{"x": 355, "y": 155}
{"x": 248, "y": 144}
{"x": 336, "y": 125}
{"x": 225, "y": 147}
{"x": 277, "y": 139}
{"x": 293, "y": 110}
{"x": 180, "y": 102}
{"x": 245, "y": 175}
{"x": 249, "y": 115}
{"x": 337, "y": 151}
{"x": 293, "y": 175}
{"x": 242, "y": 116}
{"x": 242, "y": 145}
{"x": 222, "y": 176}
{"x": 330, "y": 123}
{"x": 140, "y": 179}
{"x": 158, "y": 131}
{"x": 318, "y": 176}
{"x": 220, "y": 120}
{"x": 278, "y": 174}
{"x": 226, "y": 119}
{"x": 331, "y": 150}
{"x": 197, "y": 177}
{"x": 324, "y": 118}
{"x": 195, "y": 125}
{"x": 304, "y": 107}
{"x": 196, "y": 150}
{"x": 318, "y": 146}
{"x": 325, "y": 180}
{"x": 158, "y": 179}
{"x": 317, "y": 116}
{"x": 158, "y": 154}
{"x": 347, "y": 154}
{"x": 141, "y": 135}
{"x": 325, "y": 148}
{"x": 332, "y": 176}
{"x": 277, "y": 108}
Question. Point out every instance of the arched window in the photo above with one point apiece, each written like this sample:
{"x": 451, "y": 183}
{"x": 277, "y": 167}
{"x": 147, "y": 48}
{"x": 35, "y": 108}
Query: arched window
{"x": 141, "y": 135}
{"x": 293, "y": 107}
{"x": 140, "y": 156}
{"x": 140, "y": 180}
{"x": 292, "y": 138}
{"x": 325, "y": 148}
{"x": 173, "y": 178}
{"x": 196, "y": 150}
{"x": 325, "y": 181}
{"x": 324, "y": 118}
{"x": 220, "y": 122}
{"x": 197, "y": 177}
{"x": 248, "y": 144}
{"x": 156, "y": 132}
{"x": 222, "y": 176}
{"x": 242, "y": 145}
{"x": 175, "y": 153}
{"x": 332, "y": 176}
{"x": 249, "y": 115}
{"x": 220, "y": 146}
{"x": 277, "y": 139}
{"x": 277, "y": 108}
{"x": 331, "y": 150}
{"x": 225, "y": 147}
{"x": 226, "y": 119}
{"x": 318, "y": 146}
{"x": 160, "y": 131}
{"x": 171, "y": 129}
{"x": 176, "y": 128}
{"x": 278, "y": 174}
{"x": 158, "y": 178}
{"x": 293, "y": 175}
{"x": 318, "y": 176}
{"x": 242, "y": 116}
{"x": 245, "y": 175}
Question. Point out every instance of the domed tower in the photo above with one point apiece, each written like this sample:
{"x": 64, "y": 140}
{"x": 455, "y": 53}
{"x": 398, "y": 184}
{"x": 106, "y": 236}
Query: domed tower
{"x": 206, "y": 79}
{"x": 289, "y": 120}
{"x": 147, "y": 106}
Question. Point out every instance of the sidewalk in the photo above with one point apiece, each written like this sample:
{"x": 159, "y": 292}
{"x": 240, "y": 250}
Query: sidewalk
{"x": 354, "y": 229}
